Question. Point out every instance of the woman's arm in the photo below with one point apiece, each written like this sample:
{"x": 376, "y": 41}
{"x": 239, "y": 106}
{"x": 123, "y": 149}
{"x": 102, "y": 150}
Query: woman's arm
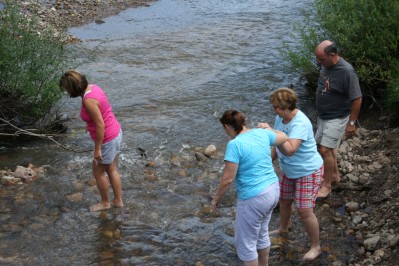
{"x": 281, "y": 137}
{"x": 229, "y": 174}
{"x": 93, "y": 109}
{"x": 274, "y": 153}
{"x": 289, "y": 147}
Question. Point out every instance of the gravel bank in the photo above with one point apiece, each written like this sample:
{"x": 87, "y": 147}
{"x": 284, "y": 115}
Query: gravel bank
{"x": 60, "y": 14}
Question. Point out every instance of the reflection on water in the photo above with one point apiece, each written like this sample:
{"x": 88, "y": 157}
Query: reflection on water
{"x": 169, "y": 70}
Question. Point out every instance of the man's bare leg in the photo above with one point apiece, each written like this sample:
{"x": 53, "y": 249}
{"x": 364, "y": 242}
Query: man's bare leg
{"x": 330, "y": 170}
{"x": 335, "y": 177}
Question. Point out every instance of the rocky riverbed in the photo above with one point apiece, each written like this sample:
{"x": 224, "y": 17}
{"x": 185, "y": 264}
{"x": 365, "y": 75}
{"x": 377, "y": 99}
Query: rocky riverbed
{"x": 368, "y": 191}
{"x": 60, "y": 14}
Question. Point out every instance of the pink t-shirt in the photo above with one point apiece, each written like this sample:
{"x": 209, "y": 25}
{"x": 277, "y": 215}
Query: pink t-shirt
{"x": 112, "y": 126}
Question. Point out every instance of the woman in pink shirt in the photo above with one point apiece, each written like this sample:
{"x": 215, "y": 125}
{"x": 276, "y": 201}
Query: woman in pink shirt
{"x": 104, "y": 130}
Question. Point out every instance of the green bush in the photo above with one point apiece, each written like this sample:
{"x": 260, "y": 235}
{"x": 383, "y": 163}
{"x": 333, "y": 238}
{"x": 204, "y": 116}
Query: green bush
{"x": 393, "y": 99}
{"x": 31, "y": 61}
{"x": 367, "y": 34}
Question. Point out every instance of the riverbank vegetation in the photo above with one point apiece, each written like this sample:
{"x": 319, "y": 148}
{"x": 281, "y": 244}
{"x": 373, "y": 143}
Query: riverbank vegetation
{"x": 32, "y": 58}
{"x": 34, "y": 52}
{"x": 367, "y": 34}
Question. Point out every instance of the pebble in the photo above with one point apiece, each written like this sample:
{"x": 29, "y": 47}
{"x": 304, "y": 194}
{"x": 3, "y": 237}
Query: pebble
{"x": 352, "y": 206}
{"x": 372, "y": 243}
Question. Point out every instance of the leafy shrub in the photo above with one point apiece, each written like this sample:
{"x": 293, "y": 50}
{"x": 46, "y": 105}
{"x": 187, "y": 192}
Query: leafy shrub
{"x": 31, "y": 61}
{"x": 367, "y": 34}
{"x": 393, "y": 99}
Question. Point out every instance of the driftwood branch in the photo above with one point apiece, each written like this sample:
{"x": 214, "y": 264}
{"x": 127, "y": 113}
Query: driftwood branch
{"x": 28, "y": 132}
{"x": 349, "y": 186}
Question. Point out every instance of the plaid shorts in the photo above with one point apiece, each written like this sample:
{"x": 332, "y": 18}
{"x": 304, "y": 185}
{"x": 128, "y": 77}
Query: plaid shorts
{"x": 303, "y": 190}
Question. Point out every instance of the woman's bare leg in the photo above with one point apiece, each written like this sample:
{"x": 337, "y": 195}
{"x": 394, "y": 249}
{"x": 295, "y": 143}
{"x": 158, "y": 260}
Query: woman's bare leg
{"x": 263, "y": 257}
{"x": 116, "y": 182}
{"x": 262, "y": 260}
{"x": 286, "y": 209}
{"x": 102, "y": 185}
{"x": 311, "y": 225}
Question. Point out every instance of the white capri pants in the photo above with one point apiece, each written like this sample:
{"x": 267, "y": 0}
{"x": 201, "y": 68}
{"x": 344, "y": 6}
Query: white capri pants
{"x": 252, "y": 222}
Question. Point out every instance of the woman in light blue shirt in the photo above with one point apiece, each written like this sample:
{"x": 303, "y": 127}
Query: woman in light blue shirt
{"x": 301, "y": 166}
{"x": 248, "y": 161}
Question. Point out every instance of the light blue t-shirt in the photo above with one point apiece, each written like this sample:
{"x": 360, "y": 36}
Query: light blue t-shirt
{"x": 306, "y": 159}
{"x": 251, "y": 151}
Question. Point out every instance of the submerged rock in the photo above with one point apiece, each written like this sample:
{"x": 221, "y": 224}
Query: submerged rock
{"x": 25, "y": 174}
{"x": 210, "y": 150}
{"x": 10, "y": 180}
{"x": 21, "y": 175}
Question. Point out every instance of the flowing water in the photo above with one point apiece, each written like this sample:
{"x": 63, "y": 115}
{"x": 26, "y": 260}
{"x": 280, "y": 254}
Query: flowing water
{"x": 169, "y": 70}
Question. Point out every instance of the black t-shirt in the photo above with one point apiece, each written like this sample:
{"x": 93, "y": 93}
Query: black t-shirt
{"x": 337, "y": 87}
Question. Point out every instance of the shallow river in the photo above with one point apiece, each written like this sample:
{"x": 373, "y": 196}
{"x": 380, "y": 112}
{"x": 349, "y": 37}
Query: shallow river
{"x": 170, "y": 70}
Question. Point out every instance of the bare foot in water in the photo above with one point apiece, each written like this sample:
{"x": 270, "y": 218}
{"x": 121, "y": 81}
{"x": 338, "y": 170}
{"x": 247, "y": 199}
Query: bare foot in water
{"x": 274, "y": 232}
{"x": 277, "y": 232}
{"x": 99, "y": 207}
{"x": 323, "y": 192}
{"x": 117, "y": 204}
{"x": 312, "y": 254}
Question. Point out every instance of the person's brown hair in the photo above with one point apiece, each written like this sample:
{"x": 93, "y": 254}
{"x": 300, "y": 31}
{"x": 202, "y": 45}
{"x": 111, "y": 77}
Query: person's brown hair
{"x": 284, "y": 98}
{"x": 74, "y": 83}
{"x": 331, "y": 49}
{"x": 233, "y": 118}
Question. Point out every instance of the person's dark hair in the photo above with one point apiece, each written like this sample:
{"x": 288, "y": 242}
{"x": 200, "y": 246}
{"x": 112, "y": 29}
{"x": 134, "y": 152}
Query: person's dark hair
{"x": 233, "y": 118}
{"x": 74, "y": 83}
{"x": 285, "y": 98}
{"x": 331, "y": 49}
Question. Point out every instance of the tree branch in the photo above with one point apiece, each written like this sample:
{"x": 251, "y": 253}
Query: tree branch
{"x": 28, "y": 132}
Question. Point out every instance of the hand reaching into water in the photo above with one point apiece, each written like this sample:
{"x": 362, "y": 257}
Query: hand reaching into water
{"x": 215, "y": 204}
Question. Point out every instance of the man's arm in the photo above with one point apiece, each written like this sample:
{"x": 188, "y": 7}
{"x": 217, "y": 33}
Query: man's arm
{"x": 355, "y": 110}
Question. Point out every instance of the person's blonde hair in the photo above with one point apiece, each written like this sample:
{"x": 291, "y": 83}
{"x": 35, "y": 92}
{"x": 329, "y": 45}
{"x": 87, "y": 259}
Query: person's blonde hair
{"x": 284, "y": 98}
